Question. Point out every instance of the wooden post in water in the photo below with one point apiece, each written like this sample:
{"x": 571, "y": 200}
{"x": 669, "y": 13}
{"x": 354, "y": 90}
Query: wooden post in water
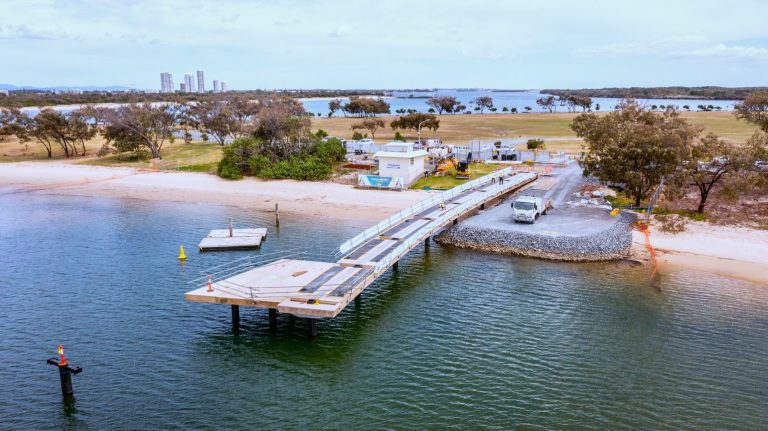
{"x": 272, "y": 318}
{"x": 277, "y": 215}
{"x": 235, "y": 316}
{"x": 396, "y": 265}
{"x": 230, "y": 227}
{"x": 312, "y": 327}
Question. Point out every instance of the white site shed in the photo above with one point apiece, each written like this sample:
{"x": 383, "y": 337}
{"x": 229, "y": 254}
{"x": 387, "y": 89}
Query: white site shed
{"x": 401, "y": 160}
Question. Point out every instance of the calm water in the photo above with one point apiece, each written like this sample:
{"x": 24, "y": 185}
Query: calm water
{"x": 455, "y": 340}
{"x": 516, "y": 99}
{"x": 510, "y": 99}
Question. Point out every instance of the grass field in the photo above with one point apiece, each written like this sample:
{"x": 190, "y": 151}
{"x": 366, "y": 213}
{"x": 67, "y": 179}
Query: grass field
{"x": 459, "y": 129}
{"x": 193, "y": 157}
{"x": 454, "y": 129}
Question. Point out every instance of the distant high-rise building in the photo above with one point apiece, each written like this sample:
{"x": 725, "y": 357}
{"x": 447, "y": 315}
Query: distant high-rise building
{"x": 200, "y": 81}
{"x": 223, "y": 86}
{"x": 216, "y": 87}
{"x": 166, "y": 82}
{"x": 183, "y": 87}
{"x": 189, "y": 80}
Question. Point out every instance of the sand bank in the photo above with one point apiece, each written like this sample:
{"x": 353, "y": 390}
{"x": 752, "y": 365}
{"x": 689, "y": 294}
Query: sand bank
{"x": 306, "y": 198}
{"x": 724, "y": 250}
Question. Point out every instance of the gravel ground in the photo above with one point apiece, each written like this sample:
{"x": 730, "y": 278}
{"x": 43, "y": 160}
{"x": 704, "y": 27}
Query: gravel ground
{"x": 565, "y": 233}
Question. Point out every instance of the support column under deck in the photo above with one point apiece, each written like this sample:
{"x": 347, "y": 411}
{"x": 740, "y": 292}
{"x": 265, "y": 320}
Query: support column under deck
{"x": 235, "y": 316}
{"x": 312, "y": 327}
{"x": 396, "y": 265}
{"x": 272, "y": 318}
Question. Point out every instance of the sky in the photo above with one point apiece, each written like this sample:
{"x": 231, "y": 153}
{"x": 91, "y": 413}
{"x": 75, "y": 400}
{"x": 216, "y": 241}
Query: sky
{"x": 389, "y": 44}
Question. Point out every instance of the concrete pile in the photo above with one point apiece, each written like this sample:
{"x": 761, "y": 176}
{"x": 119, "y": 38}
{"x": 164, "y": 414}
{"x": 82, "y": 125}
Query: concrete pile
{"x": 610, "y": 244}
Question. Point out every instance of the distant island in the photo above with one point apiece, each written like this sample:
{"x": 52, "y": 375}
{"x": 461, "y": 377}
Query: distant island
{"x": 44, "y": 97}
{"x": 708, "y": 92}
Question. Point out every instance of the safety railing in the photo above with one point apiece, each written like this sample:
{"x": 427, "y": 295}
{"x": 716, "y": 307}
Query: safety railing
{"x": 392, "y": 220}
{"x": 446, "y": 217}
{"x": 238, "y": 266}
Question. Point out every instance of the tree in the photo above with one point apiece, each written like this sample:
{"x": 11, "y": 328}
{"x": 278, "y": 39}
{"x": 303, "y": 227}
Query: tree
{"x": 597, "y": 106}
{"x": 15, "y": 122}
{"x": 535, "y": 144}
{"x": 333, "y": 106}
{"x": 483, "y": 103}
{"x": 444, "y": 104}
{"x": 142, "y": 125}
{"x": 283, "y": 128}
{"x": 459, "y": 108}
{"x": 370, "y": 124}
{"x": 528, "y": 109}
{"x": 710, "y": 160}
{"x": 549, "y": 103}
{"x": 513, "y": 110}
{"x": 412, "y": 121}
{"x": 362, "y": 106}
{"x": 754, "y": 109}
{"x": 633, "y": 146}
{"x": 67, "y": 130}
{"x": 221, "y": 119}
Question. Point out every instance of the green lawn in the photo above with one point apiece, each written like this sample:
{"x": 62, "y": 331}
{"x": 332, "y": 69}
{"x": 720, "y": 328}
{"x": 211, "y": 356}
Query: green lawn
{"x": 449, "y": 180}
{"x": 194, "y": 157}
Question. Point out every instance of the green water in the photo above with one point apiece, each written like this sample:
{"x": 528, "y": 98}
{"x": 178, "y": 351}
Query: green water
{"x": 454, "y": 340}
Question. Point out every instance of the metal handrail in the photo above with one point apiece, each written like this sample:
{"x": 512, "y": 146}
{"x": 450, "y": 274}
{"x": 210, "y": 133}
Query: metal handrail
{"x": 446, "y": 217}
{"x": 390, "y": 221}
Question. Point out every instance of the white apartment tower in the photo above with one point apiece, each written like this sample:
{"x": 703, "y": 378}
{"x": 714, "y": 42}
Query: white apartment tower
{"x": 183, "y": 87}
{"x": 216, "y": 87}
{"x": 223, "y": 86}
{"x": 189, "y": 81}
{"x": 200, "y": 81}
{"x": 166, "y": 82}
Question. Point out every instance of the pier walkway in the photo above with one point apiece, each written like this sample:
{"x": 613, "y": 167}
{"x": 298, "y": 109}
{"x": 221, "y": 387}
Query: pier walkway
{"x": 318, "y": 290}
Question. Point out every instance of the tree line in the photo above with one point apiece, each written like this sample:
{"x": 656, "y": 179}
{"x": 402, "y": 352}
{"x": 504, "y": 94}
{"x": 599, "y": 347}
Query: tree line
{"x": 278, "y": 120}
{"x": 634, "y": 148}
{"x": 708, "y": 92}
{"x": 31, "y": 98}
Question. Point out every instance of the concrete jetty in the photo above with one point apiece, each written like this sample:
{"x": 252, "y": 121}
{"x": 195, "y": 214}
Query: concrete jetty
{"x": 317, "y": 290}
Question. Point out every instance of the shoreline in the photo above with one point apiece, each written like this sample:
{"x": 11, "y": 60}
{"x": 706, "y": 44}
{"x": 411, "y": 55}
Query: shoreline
{"x": 321, "y": 199}
{"x": 724, "y": 250}
{"x": 728, "y": 251}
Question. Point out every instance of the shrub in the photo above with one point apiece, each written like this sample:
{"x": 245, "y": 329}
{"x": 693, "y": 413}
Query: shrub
{"x": 258, "y": 163}
{"x": 357, "y": 135}
{"x": 298, "y": 168}
{"x": 228, "y": 169}
{"x": 399, "y": 137}
{"x": 331, "y": 151}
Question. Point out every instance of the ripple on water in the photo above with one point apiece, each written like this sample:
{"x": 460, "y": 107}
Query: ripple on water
{"x": 453, "y": 340}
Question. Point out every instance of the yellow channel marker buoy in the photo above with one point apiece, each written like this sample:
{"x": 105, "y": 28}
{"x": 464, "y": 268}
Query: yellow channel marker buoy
{"x": 615, "y": 212}
{"x": 182, "y": 256}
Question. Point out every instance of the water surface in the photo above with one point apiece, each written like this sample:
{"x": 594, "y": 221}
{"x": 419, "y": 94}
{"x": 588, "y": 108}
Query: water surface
{"x": 455, "y": 340}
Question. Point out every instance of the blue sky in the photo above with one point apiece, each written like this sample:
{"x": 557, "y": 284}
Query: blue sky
{"x": 385, "y": 43}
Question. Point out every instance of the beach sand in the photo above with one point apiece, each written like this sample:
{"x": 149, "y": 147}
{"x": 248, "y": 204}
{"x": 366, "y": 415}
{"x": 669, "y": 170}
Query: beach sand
{"x": 724, "y": 250}
{"x": 322, "y": 199}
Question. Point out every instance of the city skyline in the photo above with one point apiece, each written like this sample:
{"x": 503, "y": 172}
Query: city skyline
{"x": 483, "y": 44}
{"x": 166, "y": 83}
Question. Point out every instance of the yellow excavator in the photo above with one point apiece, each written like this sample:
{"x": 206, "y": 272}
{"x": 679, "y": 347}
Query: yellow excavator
{"x": 462, "y": 169}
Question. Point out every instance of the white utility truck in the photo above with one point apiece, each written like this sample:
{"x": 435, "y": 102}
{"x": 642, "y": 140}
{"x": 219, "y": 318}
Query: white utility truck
{"x": 529, "y": 208}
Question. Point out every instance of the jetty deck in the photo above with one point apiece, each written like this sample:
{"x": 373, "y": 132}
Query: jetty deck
{"x": 318, "y": 290}
{"x": 233, "y": 239}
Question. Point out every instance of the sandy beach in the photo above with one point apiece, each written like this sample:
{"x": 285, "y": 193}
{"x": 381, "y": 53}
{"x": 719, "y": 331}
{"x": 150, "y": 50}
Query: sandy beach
{"x": 724, "y": 250}
{"x": 322, "y": 199}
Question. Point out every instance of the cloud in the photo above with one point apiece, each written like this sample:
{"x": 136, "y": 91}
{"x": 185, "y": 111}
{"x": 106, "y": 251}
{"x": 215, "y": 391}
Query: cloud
{"x": 23, "y": 31}
{"x": 722, "y": 50}
{"x": 335, "y": 34}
